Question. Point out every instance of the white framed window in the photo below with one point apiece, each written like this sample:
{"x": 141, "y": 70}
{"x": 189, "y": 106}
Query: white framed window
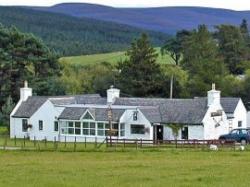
{"x": 135, "y": 115}
{"x": 88, "y": 128}
{"x": 122, "y": 129}
{"x": 40, "y": 123}
{"x": 24, "y": 125}
{"x": 239, "y": 123}
{"x": 56, "y": 126}
{"x": 137, "y": 129}
{"x": 68, "y": 128}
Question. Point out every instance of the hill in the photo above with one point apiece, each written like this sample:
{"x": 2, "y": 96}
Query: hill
{"x": 72, "y": 35}
{"x": 164, "y": 19}
{"x": 112, "y": 58}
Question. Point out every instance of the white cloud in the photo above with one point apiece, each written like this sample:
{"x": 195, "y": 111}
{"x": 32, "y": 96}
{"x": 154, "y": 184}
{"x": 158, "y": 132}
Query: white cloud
{"x": 229, "y": 4}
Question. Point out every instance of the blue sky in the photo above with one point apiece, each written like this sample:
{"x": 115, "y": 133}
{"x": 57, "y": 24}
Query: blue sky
{"x": 229, "y": 4}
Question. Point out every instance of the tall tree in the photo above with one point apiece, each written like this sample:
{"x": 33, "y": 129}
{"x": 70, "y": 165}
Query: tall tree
{"x": 140, "y": 75}
{"x": 23, "y": 57}
{"x": 6, "y": 110}
{"x": 232, "y": 46}
{"x": 200, "y": 59}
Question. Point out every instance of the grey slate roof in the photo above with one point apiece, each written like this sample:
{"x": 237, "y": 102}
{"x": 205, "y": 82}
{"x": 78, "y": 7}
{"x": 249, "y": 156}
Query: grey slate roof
{"x": 72, "y": 113}
{"x": 229, "y": 104}
{"x": 30, "y": 106}
{"x": 33, "y": 103}
{"x": 152, "y": 114}
{"x": 156, "y": 110}
{"x": 185, "y": 111}
{"x": 100, "y": 114}
{"x": 139, "y": 101}
{"x": 78, "y": 99}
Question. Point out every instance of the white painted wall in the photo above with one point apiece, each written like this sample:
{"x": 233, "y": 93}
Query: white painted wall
{"x": 48, "y": 114}
{"x": 127, "y": 118}
{"x": 194, "y": 132}
{"x": 240, "y": 114}
{"x": 209, "y": 122}
{"x": 248, "y": 119}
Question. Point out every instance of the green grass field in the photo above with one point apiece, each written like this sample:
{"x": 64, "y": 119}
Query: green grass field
{"x": 112, "y": 58}
{"x": 166, "y": 168}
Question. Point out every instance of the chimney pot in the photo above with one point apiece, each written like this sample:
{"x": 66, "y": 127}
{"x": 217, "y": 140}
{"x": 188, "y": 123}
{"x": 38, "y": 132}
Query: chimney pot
{"x": 213, "y": 86}
{"x": 25, "y": 84}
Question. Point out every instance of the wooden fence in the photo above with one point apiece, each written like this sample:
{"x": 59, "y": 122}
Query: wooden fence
{"x": 89, "y": 144}
{"x": 142, "y": 143}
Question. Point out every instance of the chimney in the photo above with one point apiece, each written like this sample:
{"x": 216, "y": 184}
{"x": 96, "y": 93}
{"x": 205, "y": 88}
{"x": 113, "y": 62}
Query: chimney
{"x": 112, "y": 94}
{"x": 25, "y": 92}
{"x": 213, "y": 96}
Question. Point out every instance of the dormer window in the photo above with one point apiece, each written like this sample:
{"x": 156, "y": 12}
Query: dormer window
{"x": 135, "y": 115}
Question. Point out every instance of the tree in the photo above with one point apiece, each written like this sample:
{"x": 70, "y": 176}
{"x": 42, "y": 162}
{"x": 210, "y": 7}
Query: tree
{"x": 24, "y": 57}
{"x": 6, "y": 110}
{"x": 232, "y": 46}
{"x": 175, "y": 129}
{"x": 140, "y": 75}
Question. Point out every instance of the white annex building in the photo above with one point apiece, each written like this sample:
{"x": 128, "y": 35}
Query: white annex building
{"x": 90, "y": 116}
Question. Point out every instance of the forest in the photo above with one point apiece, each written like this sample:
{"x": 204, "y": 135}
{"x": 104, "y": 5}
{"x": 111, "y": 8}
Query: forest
{"x": 70, "y": 36}
{"x": 201, "y": 57}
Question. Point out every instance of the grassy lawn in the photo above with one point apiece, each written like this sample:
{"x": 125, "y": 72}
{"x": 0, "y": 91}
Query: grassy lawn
{"x": 112, "y": 58}
{"x": 134, "y": 168}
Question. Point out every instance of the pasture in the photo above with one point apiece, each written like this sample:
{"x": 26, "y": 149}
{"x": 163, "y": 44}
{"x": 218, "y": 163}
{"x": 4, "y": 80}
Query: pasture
{"x": 132, "y": 168}
{"x": 112, "y": 58}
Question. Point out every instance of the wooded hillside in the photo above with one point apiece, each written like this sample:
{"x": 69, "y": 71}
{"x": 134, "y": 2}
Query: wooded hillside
{"x": 74, "y": 36}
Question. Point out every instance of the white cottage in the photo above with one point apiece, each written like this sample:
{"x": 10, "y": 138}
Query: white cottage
{"x": 90, "y": 116}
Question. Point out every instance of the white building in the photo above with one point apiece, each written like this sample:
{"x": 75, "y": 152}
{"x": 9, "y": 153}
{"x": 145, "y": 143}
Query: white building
{"x": 90, "y": 116}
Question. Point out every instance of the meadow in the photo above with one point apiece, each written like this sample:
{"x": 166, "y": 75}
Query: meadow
{"x": 120, "y": 167}
{"x": 112, "y": 58}
{"x": 133, "y": 168}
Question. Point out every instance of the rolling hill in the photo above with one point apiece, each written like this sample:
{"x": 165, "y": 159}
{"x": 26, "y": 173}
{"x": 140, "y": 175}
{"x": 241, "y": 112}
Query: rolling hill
{"x": 112, "y": 58}
{"x": 164, "y": 19}
{"x": 72, "y": 35}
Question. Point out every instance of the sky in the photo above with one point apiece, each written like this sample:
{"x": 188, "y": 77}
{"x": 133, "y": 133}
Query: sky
{"x": 228, "y": 4}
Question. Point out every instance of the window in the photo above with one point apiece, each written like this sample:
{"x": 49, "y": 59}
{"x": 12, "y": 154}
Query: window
{"x": 87, "y": 116}
{"x": 68, "y": 127}
{"x": 239, "y": 123}
{"x": 24, "y": 125}
{"x": 88, "y": 128}
{"x": 56, "y": 126}
{"x": 77, "y": 128}
{"x": 40, "y": 125}
{"x": 184, "y": 133}
{"x": 122, "y": 129}
{"x": 135, "y": 115}
{"x": 137, "y": 129}
{"x": 103, "y": 129}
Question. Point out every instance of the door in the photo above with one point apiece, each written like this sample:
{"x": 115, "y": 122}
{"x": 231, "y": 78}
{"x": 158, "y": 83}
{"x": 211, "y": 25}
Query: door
{"x": 159, "y": 129}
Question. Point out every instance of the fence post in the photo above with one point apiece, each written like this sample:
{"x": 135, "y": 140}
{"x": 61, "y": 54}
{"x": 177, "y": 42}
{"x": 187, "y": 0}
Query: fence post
{"x": 141, "y": 142}
{"x": 54, "y": 143}
{"x": 45, "y": 142}
{"x": 34, "y": 141}
{"x": 176, "y": 143}
{"x": 106, "y": 141}
{"x": 85, "y": 142}
{"x": 5, "y": 142}
{"x": 15, "y": 140}
{"x": 65, "y": 142}
{"x": 136, "y": 144}
{"x": 124, "y": 143}
{"x": 75, "y": 144}
{"x": 95, "y": 142}
{"x": 38, "y": 145}
{"x": 24, "y": 141}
